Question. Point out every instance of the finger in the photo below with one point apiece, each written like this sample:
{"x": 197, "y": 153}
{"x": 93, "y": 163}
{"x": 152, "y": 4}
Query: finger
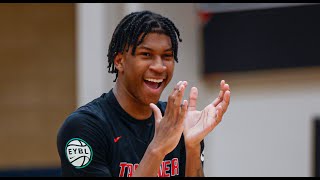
{"x": 174, "y": 101}
{"x": 185, "y": 83}
{"x": 215, "y": 117}
{"x": 176, "y": 87}
{"x": 183, "y": 112}
{"x": 226, "y": 87}
{"x": 219, "y": 98}
{"x": 157, "y": 112}
{"x": 223, "y": 89}
{"x": 171, "y": 96}
{"x": 222, "y": 83}
{"x": 179, "y": 96}
{"x": 226, "y": 101}
{"x": 193, "y": 96}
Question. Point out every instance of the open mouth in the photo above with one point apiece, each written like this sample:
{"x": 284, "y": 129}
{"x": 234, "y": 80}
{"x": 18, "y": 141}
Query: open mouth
{"x": 153, "y": 83}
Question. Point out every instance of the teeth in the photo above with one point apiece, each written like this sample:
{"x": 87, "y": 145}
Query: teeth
{"x": 154, "y": 80}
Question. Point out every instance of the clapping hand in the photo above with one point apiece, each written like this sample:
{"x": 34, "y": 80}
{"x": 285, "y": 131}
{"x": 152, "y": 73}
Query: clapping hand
{"x": 200, "y": 123}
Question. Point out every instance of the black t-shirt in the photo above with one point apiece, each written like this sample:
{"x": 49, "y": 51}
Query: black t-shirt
{"x": 101, "y": 139}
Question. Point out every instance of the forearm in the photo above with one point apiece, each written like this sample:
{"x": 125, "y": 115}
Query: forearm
{"x": 149, "y": 164}
{"x": 193, "y": 162}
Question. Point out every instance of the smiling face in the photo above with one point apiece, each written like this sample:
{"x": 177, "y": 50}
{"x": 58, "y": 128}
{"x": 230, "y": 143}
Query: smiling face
{"x": 144, "y": 76}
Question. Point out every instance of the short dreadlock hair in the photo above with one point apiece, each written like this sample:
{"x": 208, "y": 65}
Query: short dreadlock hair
{"x": 139, "y": 23}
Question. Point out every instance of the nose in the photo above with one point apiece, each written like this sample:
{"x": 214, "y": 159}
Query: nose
{"x": 158, "y": 65}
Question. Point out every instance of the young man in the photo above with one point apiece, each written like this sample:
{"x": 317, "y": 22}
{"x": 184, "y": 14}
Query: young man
{"x": 128, "y": 131}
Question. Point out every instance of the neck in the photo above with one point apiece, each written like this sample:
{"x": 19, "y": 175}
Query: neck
{"x": 131, "y": 104}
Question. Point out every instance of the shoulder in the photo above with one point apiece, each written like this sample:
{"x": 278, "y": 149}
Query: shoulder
{"x": 80, "y": 119}
{"x": 80, "y": 124}
{"x": 87, "y": 117}
{"x": 84, "y": 124}
{"x": 94, "y": 109}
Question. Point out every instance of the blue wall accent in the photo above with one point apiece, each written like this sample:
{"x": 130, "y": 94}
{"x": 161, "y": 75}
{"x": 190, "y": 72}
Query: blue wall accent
{"x": 40, "y": 172}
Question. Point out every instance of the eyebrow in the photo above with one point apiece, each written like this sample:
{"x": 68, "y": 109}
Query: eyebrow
{"x": 146, "y": 48}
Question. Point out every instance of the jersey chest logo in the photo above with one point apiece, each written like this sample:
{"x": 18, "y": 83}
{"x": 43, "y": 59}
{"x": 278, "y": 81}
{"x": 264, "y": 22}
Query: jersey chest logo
{"x": 167, "y": 168}
{"x": 117, "y": 139}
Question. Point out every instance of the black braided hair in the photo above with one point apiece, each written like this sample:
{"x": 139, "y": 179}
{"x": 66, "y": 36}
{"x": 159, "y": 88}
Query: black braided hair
{"x": 133, "y": 25}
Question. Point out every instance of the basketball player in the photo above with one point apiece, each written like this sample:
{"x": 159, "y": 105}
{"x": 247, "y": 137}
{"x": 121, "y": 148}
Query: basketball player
{"x": 128, "y": 131}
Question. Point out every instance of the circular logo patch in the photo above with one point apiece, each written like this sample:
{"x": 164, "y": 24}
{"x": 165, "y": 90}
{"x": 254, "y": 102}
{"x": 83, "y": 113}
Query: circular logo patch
{"x": 78, "y": 152}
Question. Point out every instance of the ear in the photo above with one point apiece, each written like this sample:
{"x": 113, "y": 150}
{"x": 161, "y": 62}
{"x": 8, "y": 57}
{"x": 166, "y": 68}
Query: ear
{"x": 118, "y": 62}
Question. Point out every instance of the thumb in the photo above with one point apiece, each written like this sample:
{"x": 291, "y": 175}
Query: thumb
{"x": 157, "y": 112}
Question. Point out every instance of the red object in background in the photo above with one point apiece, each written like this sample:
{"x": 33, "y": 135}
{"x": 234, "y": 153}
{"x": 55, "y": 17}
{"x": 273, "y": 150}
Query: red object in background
{"x": 205, "y": 16}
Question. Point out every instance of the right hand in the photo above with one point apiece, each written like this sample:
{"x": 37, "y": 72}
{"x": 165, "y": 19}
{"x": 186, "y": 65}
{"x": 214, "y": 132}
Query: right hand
{"x": 169, "y": 128}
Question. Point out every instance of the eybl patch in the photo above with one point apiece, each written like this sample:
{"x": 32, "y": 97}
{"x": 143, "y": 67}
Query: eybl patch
{"x": 78, "y": 152}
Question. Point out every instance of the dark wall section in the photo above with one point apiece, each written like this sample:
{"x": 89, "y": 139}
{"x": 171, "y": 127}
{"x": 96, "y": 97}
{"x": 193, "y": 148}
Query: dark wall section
{"x": 262, "y": 39}
{"x": 43, "y": 172}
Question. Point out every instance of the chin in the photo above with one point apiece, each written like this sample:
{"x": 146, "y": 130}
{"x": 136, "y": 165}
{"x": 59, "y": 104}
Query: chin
{"x": 150, "y": 98}
{"x": 153, "y": 100}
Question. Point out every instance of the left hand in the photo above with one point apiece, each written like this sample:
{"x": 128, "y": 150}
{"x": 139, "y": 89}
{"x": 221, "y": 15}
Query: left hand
{"x": 200, "y": 123}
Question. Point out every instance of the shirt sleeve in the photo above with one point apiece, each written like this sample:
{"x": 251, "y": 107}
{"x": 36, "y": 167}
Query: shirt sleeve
{"x": 81, "y": 149}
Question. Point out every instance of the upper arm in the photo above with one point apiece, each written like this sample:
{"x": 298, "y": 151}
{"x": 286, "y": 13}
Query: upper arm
{"x": 82, "y": 150}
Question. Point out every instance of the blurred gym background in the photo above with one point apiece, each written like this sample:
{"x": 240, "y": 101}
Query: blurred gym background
{"x": 53, "y": 60}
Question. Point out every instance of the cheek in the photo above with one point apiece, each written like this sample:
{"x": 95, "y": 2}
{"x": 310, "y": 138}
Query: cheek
{"x": 170, "y": 67}
{"x": 135, "y": 73}
{"x": 135, "y": 68}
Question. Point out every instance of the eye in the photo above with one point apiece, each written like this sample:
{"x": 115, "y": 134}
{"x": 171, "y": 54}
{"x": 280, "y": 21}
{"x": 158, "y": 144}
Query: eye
{"x": 146, "y": 54}
{"x": 168, "y": 56}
